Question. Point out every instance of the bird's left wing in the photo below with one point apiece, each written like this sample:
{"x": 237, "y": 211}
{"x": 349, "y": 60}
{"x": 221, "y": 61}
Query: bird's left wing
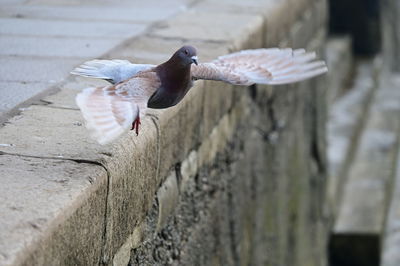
{"x": 113, "y": 71}
{"x": 110, "y": 111}
{"x": 264, "y": 66}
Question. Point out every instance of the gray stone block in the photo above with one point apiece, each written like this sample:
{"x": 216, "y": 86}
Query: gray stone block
{"x": 153, "y": 50}
{"x": 55, "y": 47}
{"x": 200, "y": 25}
{"x": 72, "y": 29}
{"x": 24, "y": 69}
{"x": 15, "y": 93}
{"x": 40, "y": 131}
{"x": 113, "y": 13}
{"x": 51, "y": 211}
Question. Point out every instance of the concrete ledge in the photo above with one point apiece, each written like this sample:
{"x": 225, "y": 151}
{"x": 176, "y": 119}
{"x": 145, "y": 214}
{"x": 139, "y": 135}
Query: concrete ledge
{"x": 102, "y": 220}
{"x": 51, "y": 205}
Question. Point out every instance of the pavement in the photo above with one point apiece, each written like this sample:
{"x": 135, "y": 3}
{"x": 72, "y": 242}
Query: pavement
{"x": 42, "y": 41}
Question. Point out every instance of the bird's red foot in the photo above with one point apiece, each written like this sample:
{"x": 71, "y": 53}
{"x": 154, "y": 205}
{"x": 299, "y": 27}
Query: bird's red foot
{"x": 135, "y": 125}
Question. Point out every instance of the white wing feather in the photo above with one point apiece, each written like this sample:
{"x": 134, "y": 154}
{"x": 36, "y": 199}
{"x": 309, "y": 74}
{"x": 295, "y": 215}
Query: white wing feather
{"x": 109, "y": 111}
{"x": 114, "y": 71}
{"x": 107, "y": 116}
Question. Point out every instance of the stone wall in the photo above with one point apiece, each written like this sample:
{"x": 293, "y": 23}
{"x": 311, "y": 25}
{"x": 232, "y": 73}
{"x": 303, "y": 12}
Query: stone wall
{"x": 252, "y": 191}
{"x": 230, "y": 176}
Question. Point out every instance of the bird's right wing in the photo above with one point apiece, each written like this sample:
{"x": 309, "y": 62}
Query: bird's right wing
{"x": 109, "y": 111}
{"x": 264, "y": 66}
{"x": 113, "y": 71}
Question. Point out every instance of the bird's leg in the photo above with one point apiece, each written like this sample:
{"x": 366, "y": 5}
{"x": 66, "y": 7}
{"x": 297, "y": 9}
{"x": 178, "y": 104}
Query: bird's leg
{"x": 135, "y": 125}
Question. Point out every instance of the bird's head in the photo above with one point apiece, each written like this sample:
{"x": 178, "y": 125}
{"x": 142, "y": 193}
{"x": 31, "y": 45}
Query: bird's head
{"x": 187, "y": 55}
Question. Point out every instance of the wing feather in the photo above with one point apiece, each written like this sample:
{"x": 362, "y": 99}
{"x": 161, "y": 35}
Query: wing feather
{"x": 109, "y": 111}
{"x": 113, "y": 71}
{"x": 263, "y": 66}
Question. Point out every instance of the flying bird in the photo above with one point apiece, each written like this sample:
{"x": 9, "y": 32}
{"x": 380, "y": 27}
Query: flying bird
{"x": 111, "y": 110}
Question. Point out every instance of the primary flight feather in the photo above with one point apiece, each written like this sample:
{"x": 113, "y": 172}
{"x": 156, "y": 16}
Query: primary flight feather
{"x": 109, "y": 111}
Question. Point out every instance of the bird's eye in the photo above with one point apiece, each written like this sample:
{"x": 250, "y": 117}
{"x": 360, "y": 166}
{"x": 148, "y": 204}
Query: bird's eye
{"x": 186, "y": 52}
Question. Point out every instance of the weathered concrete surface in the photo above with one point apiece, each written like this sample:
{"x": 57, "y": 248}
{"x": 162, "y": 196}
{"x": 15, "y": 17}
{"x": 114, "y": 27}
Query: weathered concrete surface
{"x": 231, "y": 175}
{"x": 214, "y": 202}
{"x": 200, "y": 25}
{"x": 48, "y": 206}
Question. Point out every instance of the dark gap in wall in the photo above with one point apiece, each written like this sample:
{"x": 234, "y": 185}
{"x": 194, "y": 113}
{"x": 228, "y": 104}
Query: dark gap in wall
{"x": 350, "y": 249}
{"x": 360, "y": 19}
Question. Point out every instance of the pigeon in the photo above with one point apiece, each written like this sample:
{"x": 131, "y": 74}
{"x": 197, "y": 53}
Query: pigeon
{"x": 111, "y": 110}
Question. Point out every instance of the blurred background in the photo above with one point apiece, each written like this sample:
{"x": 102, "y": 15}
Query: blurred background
{"x": 363, "y": 133}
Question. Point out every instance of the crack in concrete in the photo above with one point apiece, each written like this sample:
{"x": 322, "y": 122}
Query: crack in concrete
{"x": 270, "y": 135}
{"x": 58, "y": 107}
{"x": 79, "y": 160}
{"x": 103, "y": 257}
{"x": 155, "y": 119}
{"x": 48, "y": 104}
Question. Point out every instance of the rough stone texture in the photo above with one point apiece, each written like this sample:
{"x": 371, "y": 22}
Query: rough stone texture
{"x": 208, "y": 227}
{"x": 200, "y": 25}
{"x": 48, "y": 206}
{"x": 39, "y": 28}
{"x": 115, "y": 13}
{"x": 230, "y": 176}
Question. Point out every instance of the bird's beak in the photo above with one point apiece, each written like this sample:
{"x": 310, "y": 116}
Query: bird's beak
{"x": 194, "y": 59}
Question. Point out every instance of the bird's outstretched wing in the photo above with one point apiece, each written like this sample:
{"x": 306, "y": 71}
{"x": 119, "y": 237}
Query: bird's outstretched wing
{"x": 113, "y": 71}
{"x": 264, "y": 66}
{"x": 109, "y": 111}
